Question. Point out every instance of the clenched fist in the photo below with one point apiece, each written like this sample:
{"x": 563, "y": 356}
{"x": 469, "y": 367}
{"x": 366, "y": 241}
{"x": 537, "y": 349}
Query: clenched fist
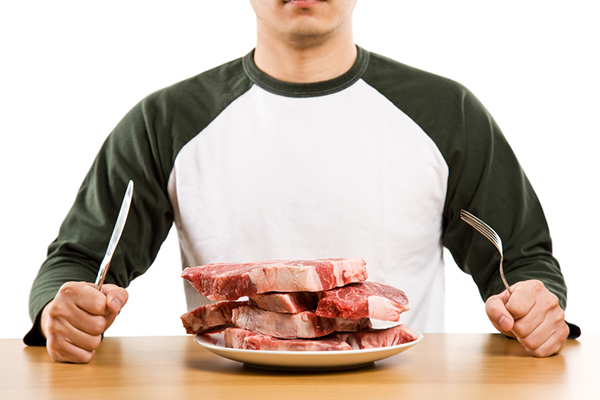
{"x": 532, "y": 315}
{"x": 73, "y": 323}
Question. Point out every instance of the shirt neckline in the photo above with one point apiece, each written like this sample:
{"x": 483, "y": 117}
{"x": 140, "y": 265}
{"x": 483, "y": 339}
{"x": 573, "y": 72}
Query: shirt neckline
{"x": 313, "y": 89}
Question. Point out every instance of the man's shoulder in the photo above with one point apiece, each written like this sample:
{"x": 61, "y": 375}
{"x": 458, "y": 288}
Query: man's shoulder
{"x": 182, "y": 110}
{"x": 227, "y": 78}
{"x": 387, "y": 73}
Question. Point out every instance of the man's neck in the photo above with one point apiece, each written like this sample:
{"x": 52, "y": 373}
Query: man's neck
{"x": 304, "y": 64}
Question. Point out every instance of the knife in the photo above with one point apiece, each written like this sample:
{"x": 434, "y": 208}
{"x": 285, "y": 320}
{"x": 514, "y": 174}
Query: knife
{"x": 116, "y": 235}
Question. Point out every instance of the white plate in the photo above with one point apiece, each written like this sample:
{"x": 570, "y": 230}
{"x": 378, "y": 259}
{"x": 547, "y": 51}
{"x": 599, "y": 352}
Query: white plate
{"x": 302, "y": 360}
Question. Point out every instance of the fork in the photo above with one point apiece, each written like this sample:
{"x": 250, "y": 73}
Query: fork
{"x": 490, "y": 235}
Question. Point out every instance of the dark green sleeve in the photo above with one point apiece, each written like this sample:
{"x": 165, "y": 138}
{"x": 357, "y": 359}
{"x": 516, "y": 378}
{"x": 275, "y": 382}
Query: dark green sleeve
{"x": 143, "y": 147}
{"x": 485, "y": 178}
{"x": 132, "y": 152}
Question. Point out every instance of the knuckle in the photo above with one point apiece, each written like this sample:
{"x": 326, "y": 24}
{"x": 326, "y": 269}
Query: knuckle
{"x": 95, "y": 342}
{"x": 523, "y": 338}
{"x": 90, "y": 343}
{"x": 57, "y": 310}
{"x": 533, "y": 348}
{"x": 559, "y": 318}
{"x": 556, "y": 317}
{"x": 57, "y": 349}
{"x": 97, "y": 325}
{"x": 520, "y": 332}
{"x": 563, "y": 331}
{"x": 537, "y": 285}
{"x": 538, "y": 353}
{"x": 56, "y": 355}
{"x": 516, "y": 309}
{"x": 550, "y": 301}
{"x": 86, "y": 357}
{"x": 68, "y": 289}
{"x": 65, "y": 351}
{"x": 52, "y": 332}
{"x": 547, "y": 350}
{"x": 98, "y": 306}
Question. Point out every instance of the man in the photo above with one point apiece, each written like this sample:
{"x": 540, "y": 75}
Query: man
{"x": 308, "y": 147}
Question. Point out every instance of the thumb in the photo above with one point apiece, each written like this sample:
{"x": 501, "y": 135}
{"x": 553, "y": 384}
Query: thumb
{"x": 495, "y": 308}
{"x": 116, "y": 297}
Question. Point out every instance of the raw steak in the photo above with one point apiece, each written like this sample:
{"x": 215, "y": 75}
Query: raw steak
{"x": 292, "y": 326}
{"x": 210, "y": 317}
{"x": 375, "y": 338}
{"x": 287, "y": 303}
{"x": 231, "y": 281}
{"x": 367, "y": 299}
{"x": 244, "y": 339}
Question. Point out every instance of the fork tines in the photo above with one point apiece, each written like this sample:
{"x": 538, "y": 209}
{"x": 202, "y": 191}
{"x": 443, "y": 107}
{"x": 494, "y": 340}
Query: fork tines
{"x": 481, "y": 227}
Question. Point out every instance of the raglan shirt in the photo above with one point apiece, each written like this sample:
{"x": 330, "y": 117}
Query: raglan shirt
{"x": 376, "y": 163}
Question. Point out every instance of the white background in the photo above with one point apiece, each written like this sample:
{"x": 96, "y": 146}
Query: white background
{"x": 72, "y": 69}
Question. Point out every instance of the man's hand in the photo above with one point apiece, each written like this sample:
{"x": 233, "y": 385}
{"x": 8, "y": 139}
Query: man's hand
{"x": 73, "y": 323}
{"x": 532, "y": 315}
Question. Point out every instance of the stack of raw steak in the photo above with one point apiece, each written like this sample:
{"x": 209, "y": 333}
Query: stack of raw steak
{"x": 308, "y": 305}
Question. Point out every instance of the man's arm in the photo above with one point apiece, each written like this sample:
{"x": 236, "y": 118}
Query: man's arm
{"x": 484, "y": 178}
{"x": 130, "y": 152}
{"x": 488, "y": 180}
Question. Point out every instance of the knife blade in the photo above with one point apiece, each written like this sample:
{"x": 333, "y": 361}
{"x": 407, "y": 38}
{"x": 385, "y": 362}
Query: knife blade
{"x": 116, "y": 235}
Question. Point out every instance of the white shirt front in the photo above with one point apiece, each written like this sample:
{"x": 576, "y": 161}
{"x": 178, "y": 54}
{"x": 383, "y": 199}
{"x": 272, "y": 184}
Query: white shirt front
{"x": 342, "y": 175}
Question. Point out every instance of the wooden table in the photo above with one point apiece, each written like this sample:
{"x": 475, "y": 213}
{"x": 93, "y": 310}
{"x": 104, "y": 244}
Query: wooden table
{"x": 442, "y": 366}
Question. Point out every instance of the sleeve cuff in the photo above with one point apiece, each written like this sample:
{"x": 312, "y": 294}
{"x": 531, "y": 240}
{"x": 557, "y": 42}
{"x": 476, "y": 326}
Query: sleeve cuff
{"x": 35, "y": 337}
{"x": 574, "y": 331}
